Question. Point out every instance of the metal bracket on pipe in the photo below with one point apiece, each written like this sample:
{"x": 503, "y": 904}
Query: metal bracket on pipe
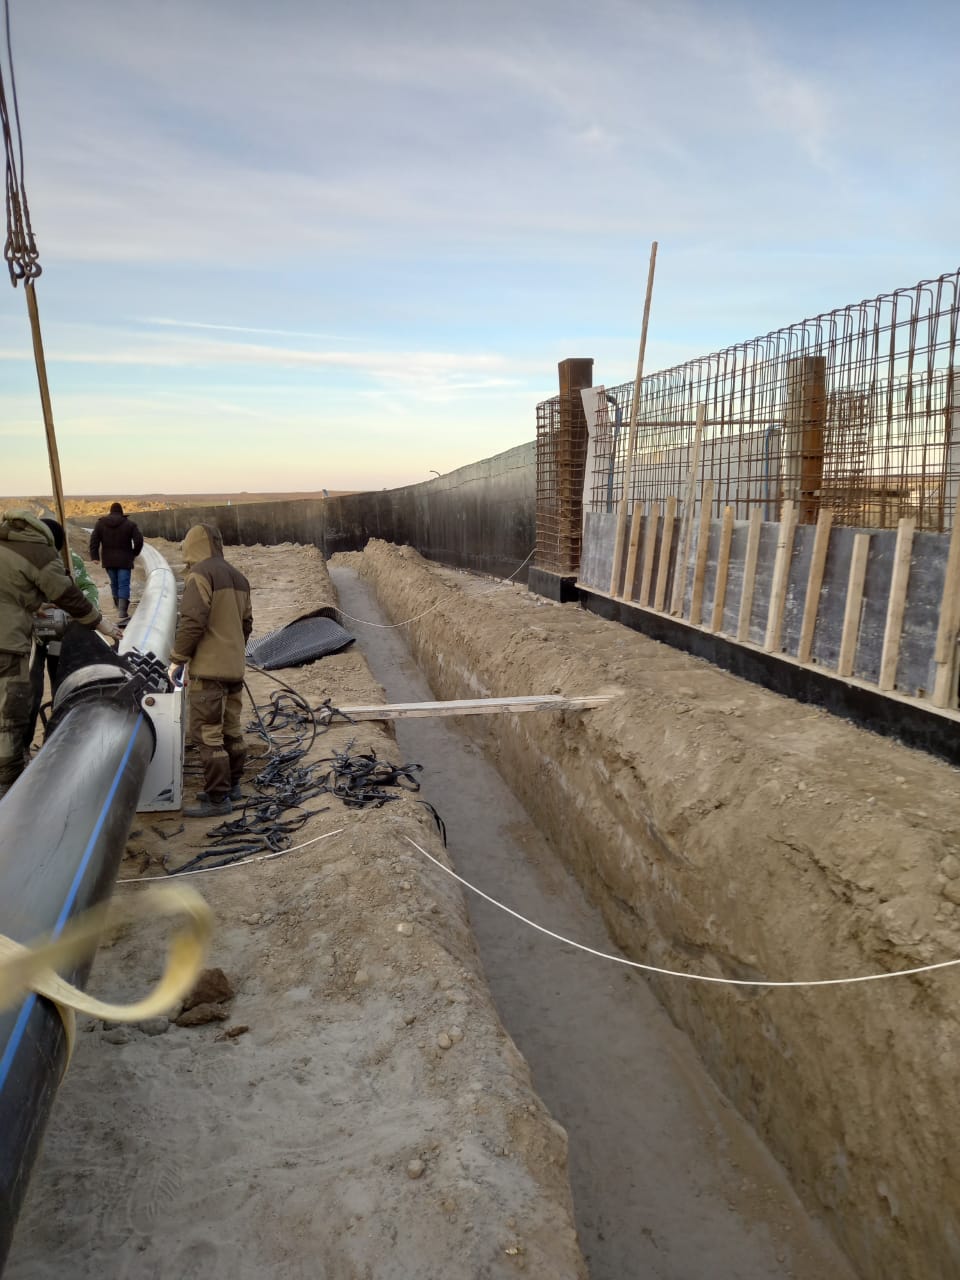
{"x": 125, "y": 683}
{"x": 163, "y": 784}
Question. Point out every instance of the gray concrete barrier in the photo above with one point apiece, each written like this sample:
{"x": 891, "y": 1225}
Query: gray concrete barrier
{"x": 481, "y": 517}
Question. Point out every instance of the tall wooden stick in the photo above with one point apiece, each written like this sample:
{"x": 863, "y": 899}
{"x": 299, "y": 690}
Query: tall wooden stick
{"x": 45, "y": 405}
{"x": 781, "y": 576}
{"x": 723, "y": 569}
{"x": 854, "y": 604}
{"x": 666, "y": 546}
{"x": 686, "y": 520}
{"x": 811, "y": 602}
{"x": 700, "y": 563}
{"x": 896, "y": 603}
{"x": 636, "y": 524}
{"x": 749, "y": 574}
{"x": 632, "y": 436}
{"x": 948, "y": 629}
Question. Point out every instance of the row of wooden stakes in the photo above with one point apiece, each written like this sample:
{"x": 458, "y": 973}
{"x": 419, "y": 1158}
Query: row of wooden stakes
{"x": 655, "y": 584}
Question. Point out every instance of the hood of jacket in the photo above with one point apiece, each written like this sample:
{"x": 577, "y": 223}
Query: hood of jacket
{"x": 202, "y": 542}
{"x": 23, "y": 526}
{"x": 114, "y": 519}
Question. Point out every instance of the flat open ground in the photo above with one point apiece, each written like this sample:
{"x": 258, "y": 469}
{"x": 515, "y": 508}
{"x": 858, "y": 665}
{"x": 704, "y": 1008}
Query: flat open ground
{"x": 80, "y": 506}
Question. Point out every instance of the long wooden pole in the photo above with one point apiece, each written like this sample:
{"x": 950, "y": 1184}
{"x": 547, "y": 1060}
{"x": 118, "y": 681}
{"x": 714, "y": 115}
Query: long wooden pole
{"x": 52, "y": 451}
{"x": 632, "y": 436}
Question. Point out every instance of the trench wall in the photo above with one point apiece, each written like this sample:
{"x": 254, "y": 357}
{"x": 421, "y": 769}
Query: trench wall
{"x": 480, "y": 517}
{"x": 729, "y": 832}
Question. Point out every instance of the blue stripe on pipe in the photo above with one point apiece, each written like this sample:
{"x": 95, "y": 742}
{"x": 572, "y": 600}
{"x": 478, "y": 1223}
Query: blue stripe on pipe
{"x": 13, "y": 1044}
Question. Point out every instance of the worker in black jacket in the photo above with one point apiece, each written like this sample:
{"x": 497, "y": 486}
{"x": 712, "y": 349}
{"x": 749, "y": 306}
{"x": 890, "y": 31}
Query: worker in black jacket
{"x": 116, "y": 542}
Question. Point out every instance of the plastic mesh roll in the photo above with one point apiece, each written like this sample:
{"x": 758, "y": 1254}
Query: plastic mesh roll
{"x": 304, "y": 640}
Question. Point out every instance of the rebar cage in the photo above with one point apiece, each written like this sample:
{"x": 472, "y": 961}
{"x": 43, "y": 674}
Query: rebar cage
{"x": 857, "y": 410}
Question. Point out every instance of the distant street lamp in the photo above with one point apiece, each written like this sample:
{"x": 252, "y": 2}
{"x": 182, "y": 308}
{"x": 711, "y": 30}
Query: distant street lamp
{"x": 435, "y": 473}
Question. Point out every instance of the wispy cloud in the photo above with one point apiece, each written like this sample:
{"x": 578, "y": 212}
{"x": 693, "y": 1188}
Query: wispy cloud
{"x": 164, "y": 322}
{"x": 318, "y": 214}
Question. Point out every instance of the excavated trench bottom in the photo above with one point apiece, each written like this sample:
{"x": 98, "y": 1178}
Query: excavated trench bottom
{"x": 669, "y": 1183}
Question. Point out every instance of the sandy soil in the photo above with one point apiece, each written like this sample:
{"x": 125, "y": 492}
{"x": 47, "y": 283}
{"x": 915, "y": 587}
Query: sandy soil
{"x": 360, "y": 1113}
{"x": 728, "y": 831}
{"x": 722, "y": 829}
{"x": 669, "y": 1182}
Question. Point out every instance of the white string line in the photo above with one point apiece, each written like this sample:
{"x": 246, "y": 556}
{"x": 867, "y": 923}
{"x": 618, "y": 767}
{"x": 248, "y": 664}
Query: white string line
{"x": 676, "y": 973}
{"x": 229, "y": 866}
{"x": 389, "y": 626}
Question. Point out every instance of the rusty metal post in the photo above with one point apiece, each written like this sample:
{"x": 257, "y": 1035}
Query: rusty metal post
{"x": 803, "y": 435}
{"x": 571, "y": 458}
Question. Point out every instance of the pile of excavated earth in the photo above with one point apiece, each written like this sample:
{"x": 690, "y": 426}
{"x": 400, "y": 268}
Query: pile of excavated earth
{"x": 348, "y": 1104}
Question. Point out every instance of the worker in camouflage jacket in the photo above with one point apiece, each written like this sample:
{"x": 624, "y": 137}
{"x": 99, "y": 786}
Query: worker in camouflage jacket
{"x": 212, "y": 632}
{"x": 31, "y": 575}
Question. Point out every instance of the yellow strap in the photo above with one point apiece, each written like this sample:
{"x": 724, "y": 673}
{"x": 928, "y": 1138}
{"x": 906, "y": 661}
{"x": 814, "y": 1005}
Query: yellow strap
{"x": 33, "y": 967}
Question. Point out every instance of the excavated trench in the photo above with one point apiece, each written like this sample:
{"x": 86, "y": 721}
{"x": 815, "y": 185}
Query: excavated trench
{"x": 722, "y": 830}
{"x": 668, "y": 1180}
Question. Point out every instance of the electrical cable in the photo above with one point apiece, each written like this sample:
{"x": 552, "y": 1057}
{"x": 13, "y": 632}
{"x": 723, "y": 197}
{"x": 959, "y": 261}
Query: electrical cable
{"x": 677, "y": 973}
{"x": 289, "y": 726}
{"x": 265, "y": 857}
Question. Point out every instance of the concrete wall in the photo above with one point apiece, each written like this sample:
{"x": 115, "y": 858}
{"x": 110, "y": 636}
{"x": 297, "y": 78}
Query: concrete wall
{"x": 482, "y": 517}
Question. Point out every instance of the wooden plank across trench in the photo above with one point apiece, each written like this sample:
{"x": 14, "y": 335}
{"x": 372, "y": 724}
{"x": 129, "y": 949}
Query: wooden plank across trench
{"x": 477, "y": 706}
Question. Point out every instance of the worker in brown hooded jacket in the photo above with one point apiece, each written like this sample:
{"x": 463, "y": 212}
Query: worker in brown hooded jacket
{"x": 212, "y": 632}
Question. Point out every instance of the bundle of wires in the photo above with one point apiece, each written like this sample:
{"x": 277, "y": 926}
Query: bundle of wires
{"x": 289, "y": 727}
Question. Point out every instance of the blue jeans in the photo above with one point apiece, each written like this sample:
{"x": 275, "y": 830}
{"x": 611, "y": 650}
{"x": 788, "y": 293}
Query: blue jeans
{"x": 119, "y": 583}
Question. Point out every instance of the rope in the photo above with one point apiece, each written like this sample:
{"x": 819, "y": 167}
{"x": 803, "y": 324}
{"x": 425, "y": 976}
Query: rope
{"x": 390, "y": 626}
{"x": 20, "y": 247}
{"x": 677, "y": 973}
{"x": 23, "y": 262}
{"x": 32, "y": 967}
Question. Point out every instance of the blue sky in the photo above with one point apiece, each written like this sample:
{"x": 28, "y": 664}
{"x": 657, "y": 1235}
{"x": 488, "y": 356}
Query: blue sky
{"x": 294, "y": 245}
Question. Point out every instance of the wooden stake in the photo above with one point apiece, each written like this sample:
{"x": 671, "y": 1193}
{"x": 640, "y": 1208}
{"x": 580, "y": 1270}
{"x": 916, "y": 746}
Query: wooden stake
{"x": 723, "y": 567}
{"x": 896, "y": 603}
{"x": 700, "y": 567}
{"x": 811, "y": 603}
{"x": 666, "y": 545}
{"x": 948, "y": 629}
{"x": 749, "y": 574}
{"x": 636, "y": 524}
{"x": 649, "y": 546}
{"x": 854, "y": 603}
{"x": 686, "y": 522}
{"x": 781, "y": 576}
{"x": 632, "y": 437}
{"x": 45, "y": 405}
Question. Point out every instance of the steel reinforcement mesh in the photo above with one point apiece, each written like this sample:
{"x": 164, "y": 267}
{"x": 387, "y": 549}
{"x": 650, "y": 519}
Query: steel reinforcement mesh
{"x": 857, "y": 410}
{"x": 556, "y": 545}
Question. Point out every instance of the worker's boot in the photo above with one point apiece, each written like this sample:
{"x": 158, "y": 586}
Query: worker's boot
{"x": 207, "y": 808}
{"x": 123, "y": 616}
{"x": 116, "y": 603}
{"x": 235, "y": 794}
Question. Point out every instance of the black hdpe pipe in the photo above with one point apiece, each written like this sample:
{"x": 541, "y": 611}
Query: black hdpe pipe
{"x": 63, "y": 828}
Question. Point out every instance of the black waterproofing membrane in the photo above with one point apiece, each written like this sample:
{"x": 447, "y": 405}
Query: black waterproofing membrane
{"x": 303, "y": 640}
